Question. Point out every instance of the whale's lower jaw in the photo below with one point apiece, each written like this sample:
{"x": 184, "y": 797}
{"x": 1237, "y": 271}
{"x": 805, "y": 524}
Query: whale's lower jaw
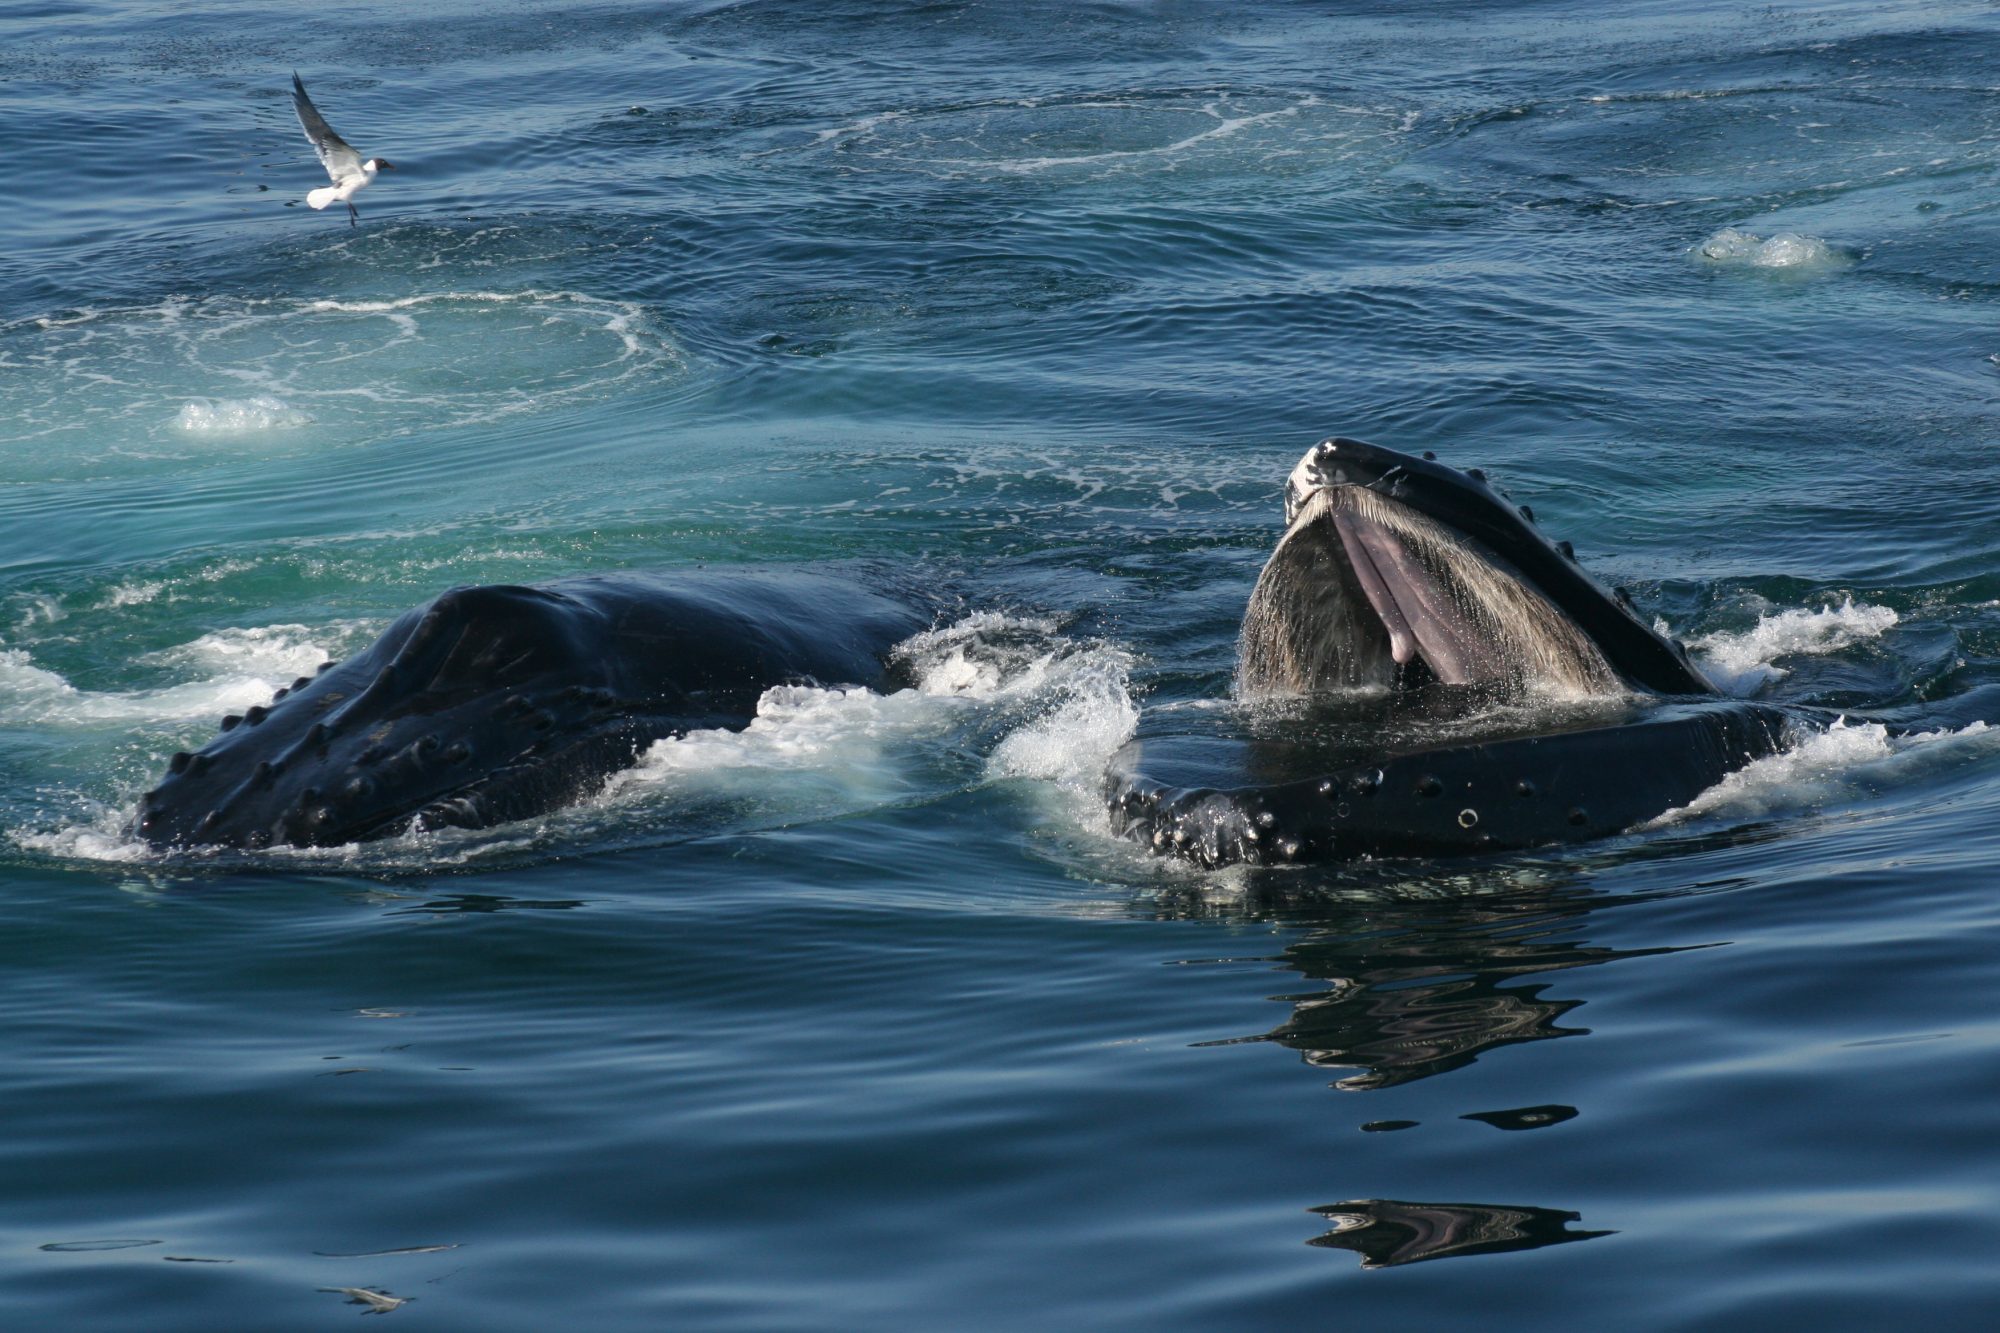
{"x": 1501, "y": 795}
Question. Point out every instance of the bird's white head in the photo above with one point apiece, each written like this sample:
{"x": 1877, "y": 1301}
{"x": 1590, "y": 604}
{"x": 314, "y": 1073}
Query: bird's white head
{"x": 375, "y": 164}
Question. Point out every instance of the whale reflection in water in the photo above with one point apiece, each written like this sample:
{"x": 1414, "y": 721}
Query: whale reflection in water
{"x": 1389, "y": 1232}
{"x": 1422, "y": 976}
{"x": 1421, "y": 987}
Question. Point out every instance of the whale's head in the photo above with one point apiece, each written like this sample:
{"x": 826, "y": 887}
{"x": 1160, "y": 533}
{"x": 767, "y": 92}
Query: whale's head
{"x": 502, "y": 702}
{"x": 485, "y": 703}
{"x": 1397, "y": 571}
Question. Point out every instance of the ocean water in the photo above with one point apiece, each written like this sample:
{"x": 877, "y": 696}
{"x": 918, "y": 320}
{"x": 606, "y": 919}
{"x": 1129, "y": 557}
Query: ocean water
{"x": 860, "y": 1018}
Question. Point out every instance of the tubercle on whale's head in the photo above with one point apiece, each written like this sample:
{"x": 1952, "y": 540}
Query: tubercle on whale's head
{"x": 1436, "y": 489}
{"x": 475, "y": 700}
{"x": 501, "y": 702}
{"x": 1467, "y": 503}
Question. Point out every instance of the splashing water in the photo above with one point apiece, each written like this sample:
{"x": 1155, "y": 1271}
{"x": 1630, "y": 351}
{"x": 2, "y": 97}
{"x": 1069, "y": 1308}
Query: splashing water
{"x": 1823, "y": 766}
{"x": 1742, "y": 662}
{"x": 1785, "y": 250}
{"x": 238, "y": 416}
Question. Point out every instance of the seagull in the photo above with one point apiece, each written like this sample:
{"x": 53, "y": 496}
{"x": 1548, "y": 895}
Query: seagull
{"x": 350, "y": 174}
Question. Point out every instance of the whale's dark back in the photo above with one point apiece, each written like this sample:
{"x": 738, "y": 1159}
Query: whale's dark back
{"x": 499, "y": 702}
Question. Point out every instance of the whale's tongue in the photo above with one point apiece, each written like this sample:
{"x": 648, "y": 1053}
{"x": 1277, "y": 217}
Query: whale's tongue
{"x": 1421, "y": 616}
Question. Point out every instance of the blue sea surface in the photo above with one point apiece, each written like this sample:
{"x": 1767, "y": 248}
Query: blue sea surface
{"x": 861, "y": 1018}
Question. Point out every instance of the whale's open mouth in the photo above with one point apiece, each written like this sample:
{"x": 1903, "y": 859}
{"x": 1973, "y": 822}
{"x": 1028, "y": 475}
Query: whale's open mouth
{"x": 1460, "y": 685}
{"x": 1397, "y": 572}
{"x": 1366, "y": 592}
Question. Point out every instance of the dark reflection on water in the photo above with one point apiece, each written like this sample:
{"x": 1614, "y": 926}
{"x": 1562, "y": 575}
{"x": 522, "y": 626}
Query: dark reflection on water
{"x": 450, "y": 903}
{"x": 1388, "y": 1232}
{"x": 85, "y": 1246}
{"x": 1420, "y": 988}
{"x": 1424, "y": 973}
{"x": 1524, "y": 1117}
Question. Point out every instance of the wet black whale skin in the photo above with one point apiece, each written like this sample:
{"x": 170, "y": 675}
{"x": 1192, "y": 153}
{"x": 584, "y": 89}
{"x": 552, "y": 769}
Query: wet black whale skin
{"x": 1520, "y": 791}
{"x": 500, "y": 702}
{"x": 1279, "y": 798}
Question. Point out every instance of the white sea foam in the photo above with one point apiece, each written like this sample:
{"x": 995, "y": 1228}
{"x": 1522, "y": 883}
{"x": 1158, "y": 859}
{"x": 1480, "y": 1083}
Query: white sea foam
{"x": 1823, "y": 766}
{"x": 283, "y": 652}
{"x": 986, "y": 655}
{"x": 230, "y": 670}
{"x": 33, "y": 694}
{"x": 807, "y": 751}
{"x": 239, "y": 416}
{"x": 1070, "y": 744}
{"x": 1786, "y": 250}
{"x": 99, "y": 833}
{"x": 1059, "y": 698}
{"x": 134, "y": 593}
{"x": 1741, "y": 662}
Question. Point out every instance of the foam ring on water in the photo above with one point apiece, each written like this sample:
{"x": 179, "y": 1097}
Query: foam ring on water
{"x": 222, "y": 366}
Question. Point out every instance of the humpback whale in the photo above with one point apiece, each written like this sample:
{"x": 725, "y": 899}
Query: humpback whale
{"x": 1422, "y": 672}
{"x": 497, "y": 703}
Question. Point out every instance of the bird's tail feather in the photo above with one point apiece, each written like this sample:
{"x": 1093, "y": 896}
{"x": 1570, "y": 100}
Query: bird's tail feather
{"x": 323, "y": 196}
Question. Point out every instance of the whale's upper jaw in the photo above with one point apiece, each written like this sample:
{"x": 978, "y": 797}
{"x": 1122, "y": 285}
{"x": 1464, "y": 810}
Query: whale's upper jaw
{"x": 499, "y": 703}
{"x": 1462, "y": 500}
{"x": 452, "y": 713}
{"x": 1465, "y": 504}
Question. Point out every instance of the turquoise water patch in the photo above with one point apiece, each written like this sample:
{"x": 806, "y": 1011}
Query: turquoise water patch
{"x": 109, "y": 391}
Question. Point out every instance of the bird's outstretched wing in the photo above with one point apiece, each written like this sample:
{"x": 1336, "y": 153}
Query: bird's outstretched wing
{"x": 340, "y": 160}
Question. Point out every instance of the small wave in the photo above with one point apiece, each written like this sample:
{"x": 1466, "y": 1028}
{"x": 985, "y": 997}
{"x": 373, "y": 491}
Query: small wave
{"x": 282, "y": 651}
{"x": 100, "y": 834}
{"x": 808, "y": 752}
{"x": 1078, "y": 697}
{"x": 235, "y": 669}
{"x": 137, "y": 592}
{"x": 962, "y": 672}
{"x": 983, "y": 656}
{"x": 1787, "y": 250}
{"x": 1226, "y": 125}
{"x": 1742, "y": 662}
{"x": 239, "y": 416}
{"x": 33, "y": 694}
{"x": 1820, "y": 766}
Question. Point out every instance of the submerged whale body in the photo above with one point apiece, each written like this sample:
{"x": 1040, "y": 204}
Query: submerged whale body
{"x": 498, "y": 703}
{"x": 1425, "y": 673}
